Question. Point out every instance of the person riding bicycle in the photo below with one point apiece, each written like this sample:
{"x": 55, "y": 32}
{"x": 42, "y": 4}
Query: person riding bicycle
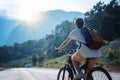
{"x": 83, "y": 51}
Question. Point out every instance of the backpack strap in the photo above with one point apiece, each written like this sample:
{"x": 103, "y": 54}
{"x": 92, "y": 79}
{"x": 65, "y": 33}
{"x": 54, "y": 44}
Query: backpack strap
{"x": 79, "y": 46}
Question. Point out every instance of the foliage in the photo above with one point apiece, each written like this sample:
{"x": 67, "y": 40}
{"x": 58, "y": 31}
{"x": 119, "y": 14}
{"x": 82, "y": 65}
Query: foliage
{"x": 44, "y": 49}
{"x": 105, "y": 42}
{"x": 41, "y": 58}
{"x": 118, "y": 56}
{"x": 109, "y": 53}
{"x": 34, "y": 60}
{"x": 100, "y": 64}
{"x": 9, "y": 53}
{"x": 56, "y": 63}
{"x": 105, "y": 18}
{"x": 113, "y": 55}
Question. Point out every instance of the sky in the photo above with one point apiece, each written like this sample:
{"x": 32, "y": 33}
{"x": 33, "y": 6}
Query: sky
{"x": 23, "y": 9}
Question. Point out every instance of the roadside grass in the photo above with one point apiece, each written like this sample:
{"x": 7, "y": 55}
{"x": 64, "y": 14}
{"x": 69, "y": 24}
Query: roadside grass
{"x": 56, "y": 63}
{"x": 60, "y": 61}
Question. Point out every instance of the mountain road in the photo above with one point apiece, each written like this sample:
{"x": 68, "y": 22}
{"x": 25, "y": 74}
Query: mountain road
{"x": 36, "y": 74}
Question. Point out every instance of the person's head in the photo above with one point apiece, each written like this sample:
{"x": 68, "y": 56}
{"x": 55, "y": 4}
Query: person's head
{"x": 79, "y": 22}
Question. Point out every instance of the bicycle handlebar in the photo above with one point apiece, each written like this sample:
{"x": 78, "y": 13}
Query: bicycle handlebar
{"x": 71, "y": 51}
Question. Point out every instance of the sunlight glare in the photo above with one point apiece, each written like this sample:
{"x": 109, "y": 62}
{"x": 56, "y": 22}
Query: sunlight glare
{"x": 27, "y": 9}
{"x": 29, "y": 12}
{"x": 32, "y": 19}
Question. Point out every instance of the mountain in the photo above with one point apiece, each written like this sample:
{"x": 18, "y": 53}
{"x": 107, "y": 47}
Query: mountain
{"x": 22, "y": 33}
{"x": 6, "y": 26}
{"x": 52, "y": 18}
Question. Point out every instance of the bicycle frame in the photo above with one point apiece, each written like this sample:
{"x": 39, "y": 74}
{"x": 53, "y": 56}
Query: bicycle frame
{"x": 84, "y": 66}
{"x": 71, "y": 65}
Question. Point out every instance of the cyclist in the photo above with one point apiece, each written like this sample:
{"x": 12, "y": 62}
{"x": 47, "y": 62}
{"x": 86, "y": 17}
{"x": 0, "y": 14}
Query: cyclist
{"x": 83, "y": 51}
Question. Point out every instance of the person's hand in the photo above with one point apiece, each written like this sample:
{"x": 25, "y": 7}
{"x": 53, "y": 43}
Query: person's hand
{"x": 58, "y": 49}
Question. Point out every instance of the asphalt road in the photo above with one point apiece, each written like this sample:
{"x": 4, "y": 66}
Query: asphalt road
{"x": 36, "y": 74}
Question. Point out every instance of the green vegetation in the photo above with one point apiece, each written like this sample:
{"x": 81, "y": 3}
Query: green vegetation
{"x": 103, "y": 17}
{"x": 106, "y": 42}
{"x": 56, "y": 63}
{"x": 113, "y": 55}
{"x": 34, "y": 60}
{"x": 113, "y": 58}
{"x": 109, "y": 53}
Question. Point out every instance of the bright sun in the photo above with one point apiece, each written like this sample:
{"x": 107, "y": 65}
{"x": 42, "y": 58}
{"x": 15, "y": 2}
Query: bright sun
{"x": 29, "y": 12}
{"x": 32, "y": 19}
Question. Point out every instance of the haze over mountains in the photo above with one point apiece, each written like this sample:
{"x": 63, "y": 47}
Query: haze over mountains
{"x": 12, "y": 31}
{"x": 6, "y": 26}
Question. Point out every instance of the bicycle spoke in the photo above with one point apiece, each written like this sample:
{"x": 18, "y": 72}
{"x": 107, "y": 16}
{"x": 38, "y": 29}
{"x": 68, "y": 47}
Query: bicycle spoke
{"x": 64, "y": 75}
{"x": 98, "y": 73}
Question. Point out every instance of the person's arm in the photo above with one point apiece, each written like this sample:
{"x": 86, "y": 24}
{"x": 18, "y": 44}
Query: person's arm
{"x": 64, "y": 44}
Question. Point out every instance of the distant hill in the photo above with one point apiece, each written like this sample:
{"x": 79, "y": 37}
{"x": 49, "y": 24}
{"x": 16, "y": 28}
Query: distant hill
{"x": 6, "y": 26}
{"x": 20, "y": 33}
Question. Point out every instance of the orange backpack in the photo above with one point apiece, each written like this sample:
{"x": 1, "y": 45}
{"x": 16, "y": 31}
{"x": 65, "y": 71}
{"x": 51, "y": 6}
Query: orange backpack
{"x": 93, "y": 38}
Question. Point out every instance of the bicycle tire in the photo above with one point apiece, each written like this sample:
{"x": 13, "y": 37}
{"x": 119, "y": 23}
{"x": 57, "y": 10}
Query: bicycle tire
{"x": 65, "y": 73}
{"x": 98, "y": 73}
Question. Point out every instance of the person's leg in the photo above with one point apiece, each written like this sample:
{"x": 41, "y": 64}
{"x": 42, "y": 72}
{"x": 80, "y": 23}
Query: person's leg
{"x": 76, "y": 65}
{"x": 77, "y": 59}
{"x": 92, "y": 63}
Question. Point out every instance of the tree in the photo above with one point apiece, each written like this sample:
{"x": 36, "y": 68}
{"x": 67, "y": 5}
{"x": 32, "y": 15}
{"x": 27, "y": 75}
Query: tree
{"x": 105, "y": 18}
{"x": 41, "y": 58}
{"x": 34, "y": 60}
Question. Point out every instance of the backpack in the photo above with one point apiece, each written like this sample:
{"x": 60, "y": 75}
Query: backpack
{"x": 93, "y": 38}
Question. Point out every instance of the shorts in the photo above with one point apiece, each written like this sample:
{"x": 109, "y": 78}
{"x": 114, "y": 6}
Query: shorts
{"x": 78, "y": 57}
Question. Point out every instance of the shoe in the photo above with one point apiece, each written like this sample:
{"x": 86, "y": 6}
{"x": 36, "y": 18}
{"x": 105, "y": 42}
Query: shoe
{"x": 79, "y": 75}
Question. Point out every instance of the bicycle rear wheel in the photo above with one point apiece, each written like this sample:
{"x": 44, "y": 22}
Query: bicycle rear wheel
{"x": 65, "y": 73}
{"x": 98, "y": 73}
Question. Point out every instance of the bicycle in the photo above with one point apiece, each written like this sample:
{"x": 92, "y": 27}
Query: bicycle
{"x": 67, "y": 72}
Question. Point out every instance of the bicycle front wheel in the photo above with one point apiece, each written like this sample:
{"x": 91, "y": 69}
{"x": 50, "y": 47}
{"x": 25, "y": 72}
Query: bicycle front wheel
{"x": 98, "y": 73}
{"x": 65, "y": 74}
